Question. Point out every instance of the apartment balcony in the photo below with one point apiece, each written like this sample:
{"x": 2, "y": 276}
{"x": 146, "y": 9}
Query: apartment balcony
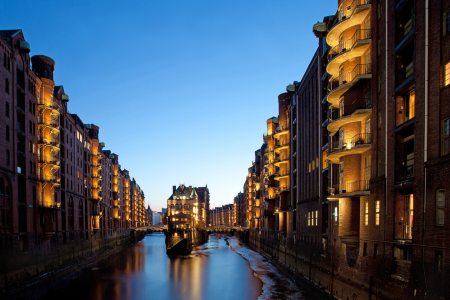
{"x": 359, "y": 110}
{"x": 51, "y": 161}
{"x": 282, "y": 189}
{"x": 50, "y": 179}
{"x": 97, "y": 156}
{"x": 349, "y": 189}
{"x": 354, "y": 145}
{"x": 97, "y": 167}
{"x": 281, "y": 145}
{"x": 349, "y": 49}
{"x": 281, "y": 159}
{"x": 267, "y": 136}
{"x": 98, "y": 176}
{"x": 281, "y": 174}
{"x": 50, "y": 105}
{"x": 348, "y": 16}
{"x": 97, "y": 188}
{"x": 48, "y": 123}
{"x": 50, "y": 205}
{"x": 52, "y": 143}
{"x": 281, "y": 131}
{"x": 338, "y": 87}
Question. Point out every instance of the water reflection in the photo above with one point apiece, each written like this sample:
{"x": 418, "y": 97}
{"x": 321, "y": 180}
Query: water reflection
{"x": 144, "y": 271}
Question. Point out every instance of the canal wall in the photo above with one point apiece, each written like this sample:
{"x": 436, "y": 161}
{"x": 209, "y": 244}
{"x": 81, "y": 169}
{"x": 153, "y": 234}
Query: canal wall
{"x": 24, "y": 270}
{"x": 309, "y": 264}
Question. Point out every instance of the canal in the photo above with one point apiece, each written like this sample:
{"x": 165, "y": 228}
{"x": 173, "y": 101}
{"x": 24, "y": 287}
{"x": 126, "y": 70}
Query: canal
{"x": 222, "y": 268}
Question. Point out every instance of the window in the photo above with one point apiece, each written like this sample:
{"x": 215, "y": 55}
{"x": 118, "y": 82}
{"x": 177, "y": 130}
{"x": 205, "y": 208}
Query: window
{"x": 379, "y": 11}
{"x": 375, "y": 251}
{"x": 7, "y": 109}
{"x": 440, "y": 207}
{"x": 379, "y": 47}
{"x": 7, "y": 133}
{"x": 379, "y": 84}
{"x": 8, "y": 160}
{"x": 377, "y": 212}
{"x": 447, "y": 74}
{"x": 379, "y": 119}
{"x": 365, "y": 249}
{"x": 340, "y": 214}
{"x": 309, "y": 218}
{"x": 366, "y": 213}
{"x": 7, "y": 85}
{"x": 380, "y": 164}
{"x": 446, "y": 22}
{"x": 335, "y": 216}
{"x": 438, "y": 261}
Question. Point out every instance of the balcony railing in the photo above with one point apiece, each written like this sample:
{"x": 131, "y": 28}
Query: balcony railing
{"x": 343, "y": 46}
{"x": 281, "y": 158}
{"x": 348, "y": 144}
{"x": 282, "y": 188}
{"x": 406, "y": 173}
{"x": 48, "y": 122}
{"x": 347, "y": 11}
{"x": 349, "y": 187}
{"x": 49, "y": 178}
{"x": 360, "y": 69}
{"x": 281, "y": 173}
{"x": 282, "y": 143}
{"x": 362, "y": 103}
{"x": 51, "y": 142}
{"x": 50, "y": 104}
{"x": 49, "y": 160}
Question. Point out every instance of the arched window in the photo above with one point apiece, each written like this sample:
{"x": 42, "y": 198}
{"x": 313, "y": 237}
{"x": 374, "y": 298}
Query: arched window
{"x": 7, "y": 109}
{"x": 8, "y": 160}
{"x": 7, "y": 133}
{"x": 171, "y": 206}
{"x": 7, "y": 85}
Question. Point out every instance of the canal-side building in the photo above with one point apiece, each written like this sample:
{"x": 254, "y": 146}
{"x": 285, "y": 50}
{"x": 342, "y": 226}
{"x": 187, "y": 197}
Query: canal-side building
{"x": 368, "y": 141}
{"x": 184, "y": 209}
{"x": 55, "y": 176}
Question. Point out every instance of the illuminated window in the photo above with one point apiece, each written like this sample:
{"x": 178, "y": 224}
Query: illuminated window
{"x": 340, "y": 214}
{"x": 317, "y": 217}
{"x": 309, "y": 218}
{"x": 366, "y": 213}
{"x": 335, "y": 216}
{"x": 377, "y": 212}
{"x": 447, "y": 74}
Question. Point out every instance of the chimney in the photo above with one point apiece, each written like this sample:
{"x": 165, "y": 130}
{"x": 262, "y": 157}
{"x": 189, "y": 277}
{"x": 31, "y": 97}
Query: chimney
{"x": 174, "y": 188}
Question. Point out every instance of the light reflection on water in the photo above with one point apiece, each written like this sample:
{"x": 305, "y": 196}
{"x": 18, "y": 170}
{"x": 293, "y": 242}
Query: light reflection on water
{"x": 144, "y": 271}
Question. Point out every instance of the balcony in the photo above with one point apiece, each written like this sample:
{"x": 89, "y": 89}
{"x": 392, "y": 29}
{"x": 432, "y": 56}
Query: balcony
{"x": 349, "y": 49}
{"x": 52, "y": 143}
{"x": 346, "y": 81}
{"x": 97, "y": 167}
{"x": 280, "y": 145}
{"x": 281, "y": 131}
{"x": 49, "y": 160}
{"x": 354, "y": 145}
{"x": 51, "y": 105}
{"x": 282, "y": 188}
{"x": 97, "y": 188}
{"x": 281, "y": 174}
{"x": 349, "y": 189}
{"x": 359, "y": 110}
{"x": 406, "y": 173}
{"x": 50, "y": 179}
{"x": 281, "y": 159}
{"x": 54, "y": 205}
{"x": 349, "y": 16}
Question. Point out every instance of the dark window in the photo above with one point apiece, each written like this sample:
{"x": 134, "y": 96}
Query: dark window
{"x": 7, "y": 133}
{"x": 438, "y": 261}
{"x": 7, "y": 109}
{"x": 30, "y": 107}
{"x": 365, "y": 249}
{"x": 375, "y": 251}
{"x": 445, "y": 136}
{"x": 7, "y": 85}
{"x": 446, "y": 22}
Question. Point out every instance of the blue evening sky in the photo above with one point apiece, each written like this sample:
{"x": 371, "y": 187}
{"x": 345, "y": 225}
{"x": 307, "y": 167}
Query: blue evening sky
{"x": 181, "y": 90}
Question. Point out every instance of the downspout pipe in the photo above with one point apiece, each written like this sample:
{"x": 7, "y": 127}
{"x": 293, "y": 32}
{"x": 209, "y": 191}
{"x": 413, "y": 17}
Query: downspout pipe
{"x": 425, "y": 146}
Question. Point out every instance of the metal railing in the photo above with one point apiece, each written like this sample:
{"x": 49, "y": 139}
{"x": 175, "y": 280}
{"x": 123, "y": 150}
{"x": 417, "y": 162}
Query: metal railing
{"x": 349, "y": 187}
{"x": 360, "y": 69}
{"x": 48, "y": 122}
{"x": 406, "y": 172}
{"x": 281, "y": 173}
{"x": 281, "y": 158}
{"x": 343, "y": 46}
{"x": 350, "y": 143}
{"x": 282, "y": 188}
{"x": 49, "y": 178}
{"x": 282, "y": 143}
{"x": 51, "y": 142}
{"x": 50, "y": 104}
{"x": 49, "y": 160}
{"x": 362, "y": 103}
{"x": 346, "y": 12}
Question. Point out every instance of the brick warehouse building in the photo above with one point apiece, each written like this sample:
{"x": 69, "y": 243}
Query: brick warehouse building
{"x": 357, "y": 222}
{"x": 58, "y": 186}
